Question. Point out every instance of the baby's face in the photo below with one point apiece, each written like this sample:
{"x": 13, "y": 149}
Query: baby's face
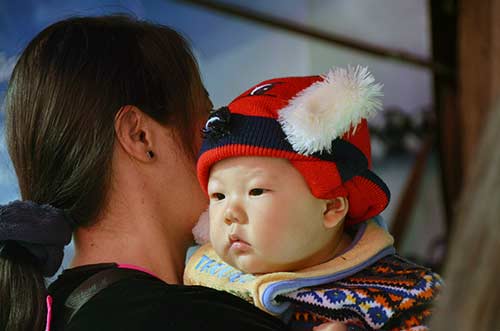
{"x": 263, "y": 217}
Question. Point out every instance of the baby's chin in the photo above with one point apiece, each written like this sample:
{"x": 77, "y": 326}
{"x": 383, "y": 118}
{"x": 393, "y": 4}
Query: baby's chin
{"x": 252, "y": 265}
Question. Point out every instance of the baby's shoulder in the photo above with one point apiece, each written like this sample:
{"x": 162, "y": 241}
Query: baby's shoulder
{"x": 393, "y": 282}
{"x": 390, "y": 292}
{"x": 397, "y": 270}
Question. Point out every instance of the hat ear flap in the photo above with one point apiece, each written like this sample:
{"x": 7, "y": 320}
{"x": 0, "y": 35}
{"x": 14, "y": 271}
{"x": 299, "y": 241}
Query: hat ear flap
{"x": 366, "y": 199}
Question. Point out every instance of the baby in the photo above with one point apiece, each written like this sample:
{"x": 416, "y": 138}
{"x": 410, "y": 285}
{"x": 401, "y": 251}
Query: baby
{"x": 293, "y": 208}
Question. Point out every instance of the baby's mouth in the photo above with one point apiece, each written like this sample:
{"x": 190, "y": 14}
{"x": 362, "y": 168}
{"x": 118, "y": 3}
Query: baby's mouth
{"x": 236, "y": 243}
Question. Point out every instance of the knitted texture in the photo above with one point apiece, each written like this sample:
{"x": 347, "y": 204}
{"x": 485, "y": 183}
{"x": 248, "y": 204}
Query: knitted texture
{"x": 393, "y": 294}
{"x": 251, "y": 126}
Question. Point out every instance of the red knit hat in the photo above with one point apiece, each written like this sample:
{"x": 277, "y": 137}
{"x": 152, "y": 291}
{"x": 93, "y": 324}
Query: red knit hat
{"x": 318, "y": 123}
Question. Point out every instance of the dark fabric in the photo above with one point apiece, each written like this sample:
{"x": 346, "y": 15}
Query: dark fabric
{"x": 91, "y": 287}
{"x": 146, "y": 303}
{"x": 42, "y": 229}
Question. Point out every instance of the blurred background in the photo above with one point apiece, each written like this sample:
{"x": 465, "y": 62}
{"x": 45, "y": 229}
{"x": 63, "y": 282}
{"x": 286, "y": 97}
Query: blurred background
{"x": 422, "y": 140}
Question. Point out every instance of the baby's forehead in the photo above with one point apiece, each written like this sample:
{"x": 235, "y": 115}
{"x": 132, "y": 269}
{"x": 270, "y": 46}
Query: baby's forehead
{"x": 252, "y": 166}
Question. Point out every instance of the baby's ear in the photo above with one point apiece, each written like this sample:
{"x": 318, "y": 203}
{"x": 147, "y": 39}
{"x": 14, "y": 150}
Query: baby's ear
{"x": 335, "y": 212}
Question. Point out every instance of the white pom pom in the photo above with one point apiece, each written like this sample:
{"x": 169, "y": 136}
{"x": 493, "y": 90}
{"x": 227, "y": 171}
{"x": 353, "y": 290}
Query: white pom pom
{"x": 201, "y": 230}
{"x": 328, "y": 109}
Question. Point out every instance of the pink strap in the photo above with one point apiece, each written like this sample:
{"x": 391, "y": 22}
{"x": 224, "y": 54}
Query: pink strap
{"x": 134, "y": 267}
{"x": 48, "y": 300}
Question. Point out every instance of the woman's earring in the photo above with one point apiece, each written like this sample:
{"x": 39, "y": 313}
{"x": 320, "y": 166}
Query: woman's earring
{"x": 151, "y": 154}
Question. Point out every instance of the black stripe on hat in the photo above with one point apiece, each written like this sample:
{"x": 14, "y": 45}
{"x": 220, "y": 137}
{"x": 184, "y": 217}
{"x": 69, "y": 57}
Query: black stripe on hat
{"x": 249, "y": 130}
{"x": 349, "y": 159}
{"x": 267, "y": 133}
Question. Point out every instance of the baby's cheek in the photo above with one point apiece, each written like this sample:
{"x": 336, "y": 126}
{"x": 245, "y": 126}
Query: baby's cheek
{"x": 215, "y": 234}
{"x": 276, "y": 247}
{"x": 295, "y": 244}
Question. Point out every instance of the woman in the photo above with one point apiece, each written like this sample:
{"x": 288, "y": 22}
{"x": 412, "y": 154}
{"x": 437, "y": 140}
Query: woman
{"x": 102, "y": 121}
{"x": 471, "y": 298}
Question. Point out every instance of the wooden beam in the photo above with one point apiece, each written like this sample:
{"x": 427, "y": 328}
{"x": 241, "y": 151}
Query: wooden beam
{"x": 331, "y": 38}
{"x": 479, "y": 68}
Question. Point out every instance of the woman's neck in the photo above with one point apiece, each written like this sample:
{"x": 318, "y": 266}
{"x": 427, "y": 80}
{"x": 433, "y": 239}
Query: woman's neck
{"x": 136, "y": 235}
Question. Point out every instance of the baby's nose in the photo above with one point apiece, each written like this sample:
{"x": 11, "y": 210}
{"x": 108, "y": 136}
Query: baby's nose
{"x": 234, "y": 214}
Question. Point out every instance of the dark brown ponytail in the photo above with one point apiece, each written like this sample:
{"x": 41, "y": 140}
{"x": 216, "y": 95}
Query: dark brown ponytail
{"x": 62, "y": 99}
{"x": 22, "y": 290}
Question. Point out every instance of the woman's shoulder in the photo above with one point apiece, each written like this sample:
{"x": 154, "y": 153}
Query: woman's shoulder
{"x": 142, "y": 301}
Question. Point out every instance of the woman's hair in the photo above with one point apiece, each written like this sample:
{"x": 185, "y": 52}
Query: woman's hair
{"x": 22, "y": 290}
{"x": 471, "y": 297}
{"x": 64, "y": 93}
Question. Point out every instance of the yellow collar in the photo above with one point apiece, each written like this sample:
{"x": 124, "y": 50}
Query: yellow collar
{"x": 205, "y": 268}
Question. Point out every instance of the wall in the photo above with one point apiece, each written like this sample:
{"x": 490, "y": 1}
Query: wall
{"x": 235, "y": 54}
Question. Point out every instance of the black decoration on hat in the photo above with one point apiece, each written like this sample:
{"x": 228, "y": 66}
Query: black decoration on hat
{"x": 217, "y": 125}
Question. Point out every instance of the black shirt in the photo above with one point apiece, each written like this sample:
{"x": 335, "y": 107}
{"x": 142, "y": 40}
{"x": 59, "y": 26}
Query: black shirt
{"x": 143, "y": 302}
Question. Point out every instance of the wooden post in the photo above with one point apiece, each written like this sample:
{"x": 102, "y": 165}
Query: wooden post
{"x": 479, "y": 68}
{"x": 444, "y": 45}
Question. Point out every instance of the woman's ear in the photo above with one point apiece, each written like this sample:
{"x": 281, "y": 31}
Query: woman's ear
{"x": 133, "y": 133}
{"x": 335, "y": 212}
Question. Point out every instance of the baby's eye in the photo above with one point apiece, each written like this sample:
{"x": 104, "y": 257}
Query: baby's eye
{"x": 257, "y": 191}
{"x": 217, "y": 196}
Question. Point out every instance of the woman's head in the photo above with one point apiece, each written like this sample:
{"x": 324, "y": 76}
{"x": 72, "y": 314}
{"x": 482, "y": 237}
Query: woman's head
{"x": 470, "y": 299}
{"x": 66, "y": 90}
